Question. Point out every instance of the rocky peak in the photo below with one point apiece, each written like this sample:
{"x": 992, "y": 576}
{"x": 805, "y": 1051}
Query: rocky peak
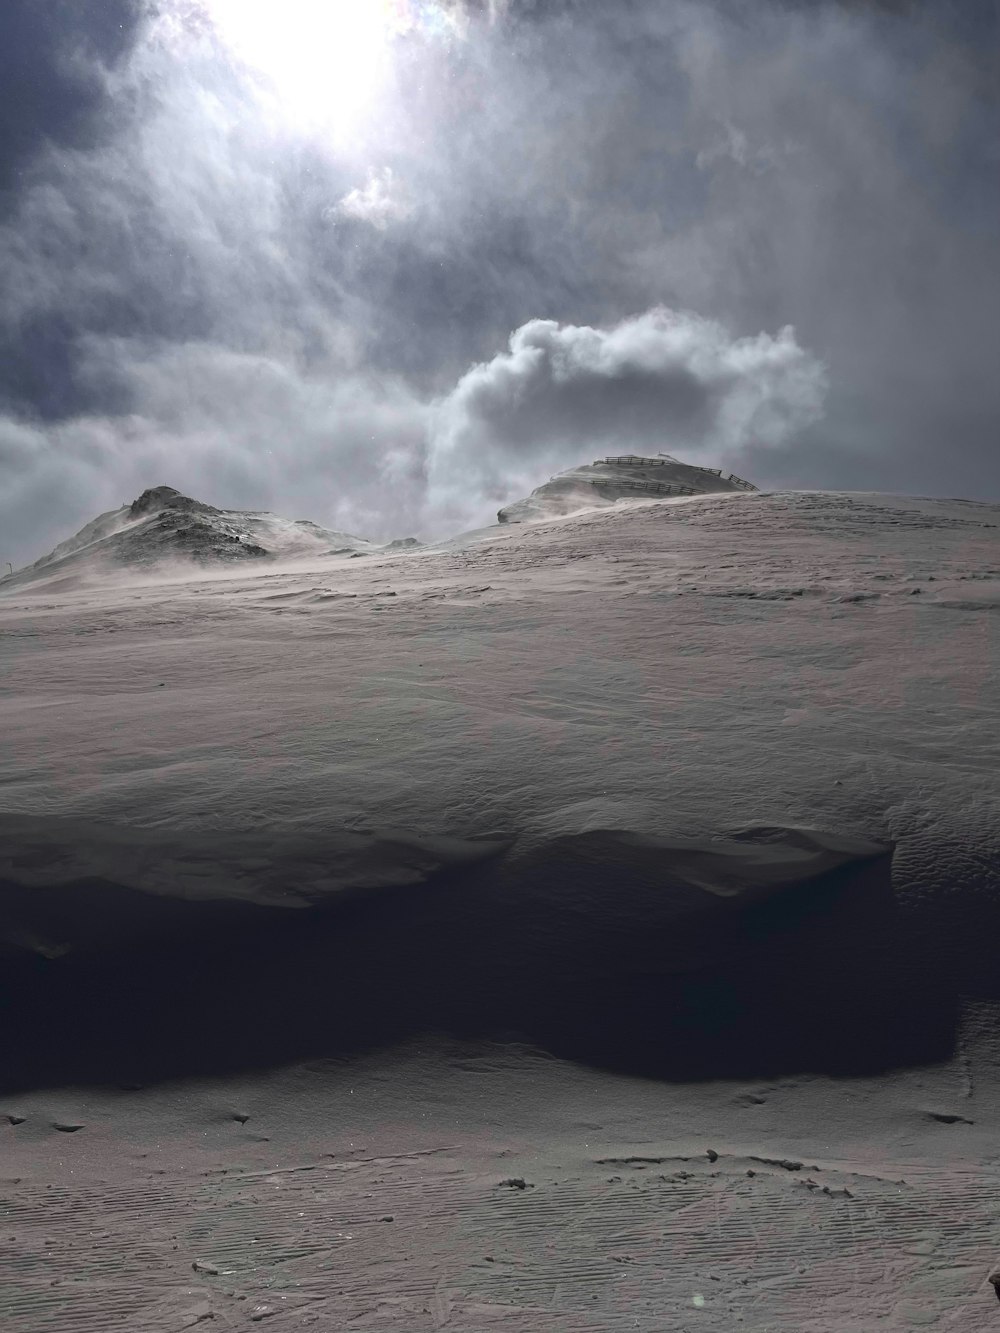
{"x": 165, "y": 497}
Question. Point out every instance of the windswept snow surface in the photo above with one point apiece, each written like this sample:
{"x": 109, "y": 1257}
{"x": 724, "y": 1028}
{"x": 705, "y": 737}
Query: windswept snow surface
{"x": 554, "y": 856}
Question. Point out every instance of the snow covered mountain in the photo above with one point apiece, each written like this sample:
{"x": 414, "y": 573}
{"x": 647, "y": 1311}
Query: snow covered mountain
{"x": 164, "y": 525}
{"x": 620, "y": 477}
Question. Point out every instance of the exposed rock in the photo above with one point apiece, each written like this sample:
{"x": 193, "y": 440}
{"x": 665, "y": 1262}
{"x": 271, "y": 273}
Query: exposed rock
{"x": 158, "y": 498}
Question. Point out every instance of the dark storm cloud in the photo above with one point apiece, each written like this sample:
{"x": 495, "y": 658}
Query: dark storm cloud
{"x": 52, "y": 54}
{"x": 202, "y": 289}
{"x": 55, "y": 56}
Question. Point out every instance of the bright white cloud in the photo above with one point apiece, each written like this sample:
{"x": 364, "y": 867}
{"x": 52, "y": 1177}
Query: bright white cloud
{"x": 380, "y": 202}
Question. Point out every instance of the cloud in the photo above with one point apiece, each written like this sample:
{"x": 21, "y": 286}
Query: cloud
{"x": 661, "y": 379}
{"x": 378, "y": 203}
{"x": 52, "y": 72}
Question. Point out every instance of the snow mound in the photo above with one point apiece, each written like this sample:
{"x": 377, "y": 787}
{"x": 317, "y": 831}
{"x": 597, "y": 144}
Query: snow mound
{"x": 164, "y": 525}
{"x": 620, "y": 477}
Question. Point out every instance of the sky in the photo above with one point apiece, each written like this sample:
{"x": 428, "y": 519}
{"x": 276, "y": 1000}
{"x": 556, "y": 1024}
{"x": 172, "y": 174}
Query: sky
{"x": 389, "y": 264}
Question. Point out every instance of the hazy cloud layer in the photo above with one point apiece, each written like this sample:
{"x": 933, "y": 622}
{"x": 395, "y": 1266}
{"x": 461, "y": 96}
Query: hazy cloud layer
{"x": 215, "y": 281}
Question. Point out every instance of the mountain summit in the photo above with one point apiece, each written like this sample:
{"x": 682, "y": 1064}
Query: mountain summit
{"x": 620, "y": 477}
{"x": 162, "y": 524}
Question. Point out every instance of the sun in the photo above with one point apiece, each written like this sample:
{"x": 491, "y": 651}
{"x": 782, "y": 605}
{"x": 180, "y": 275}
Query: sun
{"x": 322, "y": 60}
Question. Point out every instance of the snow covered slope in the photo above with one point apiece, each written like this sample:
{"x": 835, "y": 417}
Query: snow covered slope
{"x": 620, "y": 477}
{"x": 583, "y": 695}
{"x": 163, "y": 525}
{"x": 394, "y": 859}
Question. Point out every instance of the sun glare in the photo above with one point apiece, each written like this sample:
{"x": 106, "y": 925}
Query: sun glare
{"x": 324, "y": 60}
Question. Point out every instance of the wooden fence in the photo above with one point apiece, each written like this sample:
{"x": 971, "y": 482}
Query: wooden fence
{"x": 637, "y": 460}
{"x": 636, "y": 484}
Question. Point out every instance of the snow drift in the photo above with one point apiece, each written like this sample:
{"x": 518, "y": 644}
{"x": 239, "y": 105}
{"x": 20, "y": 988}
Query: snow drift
{"x": 697, "y": 789}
